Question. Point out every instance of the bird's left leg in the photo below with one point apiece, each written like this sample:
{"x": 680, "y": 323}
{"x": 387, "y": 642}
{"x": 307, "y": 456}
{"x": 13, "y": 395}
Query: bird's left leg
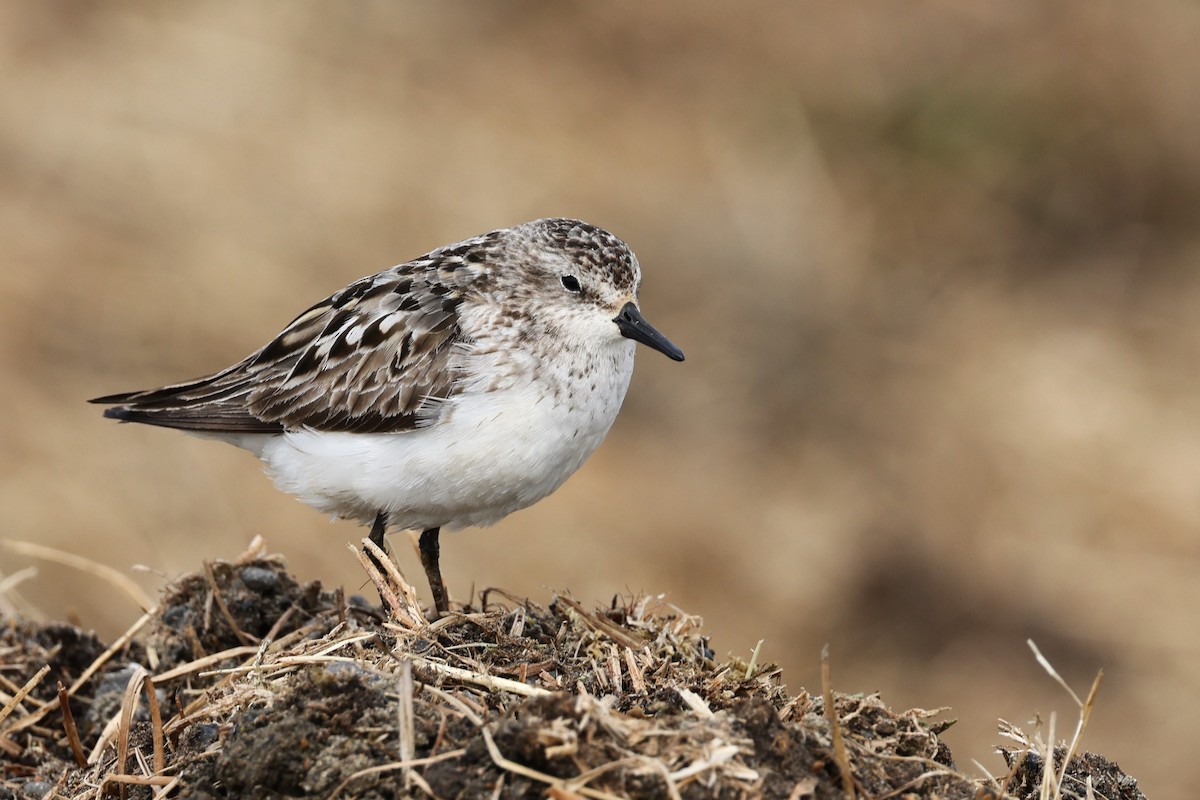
{"x": 430, "y": 557}
{"x": 378, "y": 529}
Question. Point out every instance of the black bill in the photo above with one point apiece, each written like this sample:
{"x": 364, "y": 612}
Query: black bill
{"x": 634, "y": 326}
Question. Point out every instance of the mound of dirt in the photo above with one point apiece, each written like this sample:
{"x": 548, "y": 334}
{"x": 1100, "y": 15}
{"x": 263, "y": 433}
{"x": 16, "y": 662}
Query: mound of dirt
{"x": 244, "y": 683}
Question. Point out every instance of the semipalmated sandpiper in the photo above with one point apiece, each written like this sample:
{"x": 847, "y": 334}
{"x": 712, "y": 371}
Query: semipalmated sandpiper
{"x": 448, "y": 391}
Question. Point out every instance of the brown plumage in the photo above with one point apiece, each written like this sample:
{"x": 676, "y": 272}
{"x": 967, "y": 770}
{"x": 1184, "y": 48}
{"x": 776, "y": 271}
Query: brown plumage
{"x": 369, "y": 359}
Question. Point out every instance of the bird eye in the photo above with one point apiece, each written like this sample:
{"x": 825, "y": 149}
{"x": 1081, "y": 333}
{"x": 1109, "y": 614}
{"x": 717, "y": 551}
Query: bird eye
{"x": 570, "y": 283}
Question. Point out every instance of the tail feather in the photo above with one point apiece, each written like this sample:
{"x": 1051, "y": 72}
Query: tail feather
{"x": 176, "y": 392}
{"x": 203, "y": 419}
{"x": 221, "y": 411}
{"x": 113, "y": 399}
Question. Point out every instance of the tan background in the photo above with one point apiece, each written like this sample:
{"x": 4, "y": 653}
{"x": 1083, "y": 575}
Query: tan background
{"x": 936, "y": 268}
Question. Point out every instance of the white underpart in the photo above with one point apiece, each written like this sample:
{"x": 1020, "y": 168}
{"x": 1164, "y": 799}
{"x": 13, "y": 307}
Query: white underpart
{"x": 497, "y": 447}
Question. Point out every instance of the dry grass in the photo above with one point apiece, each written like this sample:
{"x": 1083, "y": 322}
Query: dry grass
{"x": 1035, "y": 751}
{"x": 334, "y": 699}
{"x": 617, "y": 702}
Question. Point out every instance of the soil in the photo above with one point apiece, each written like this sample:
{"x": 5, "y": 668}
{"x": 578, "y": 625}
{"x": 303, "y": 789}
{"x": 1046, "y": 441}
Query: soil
{"x": 267, "y": 688}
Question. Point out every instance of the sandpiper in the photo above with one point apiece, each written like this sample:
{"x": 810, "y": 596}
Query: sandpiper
{"x": 446, "y": 392}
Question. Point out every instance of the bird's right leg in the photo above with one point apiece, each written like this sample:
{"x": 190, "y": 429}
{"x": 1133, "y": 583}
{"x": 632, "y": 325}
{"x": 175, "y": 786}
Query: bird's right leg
{"x": 378, "y": 529}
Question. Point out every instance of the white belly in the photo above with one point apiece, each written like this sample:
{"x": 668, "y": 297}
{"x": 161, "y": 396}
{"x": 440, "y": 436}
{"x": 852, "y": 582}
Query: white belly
{"x": 487, "y": 455}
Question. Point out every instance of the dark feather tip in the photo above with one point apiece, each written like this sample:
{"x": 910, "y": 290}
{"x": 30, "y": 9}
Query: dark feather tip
{"x": 109, "y": 399}
{"x": 119, "y": 412}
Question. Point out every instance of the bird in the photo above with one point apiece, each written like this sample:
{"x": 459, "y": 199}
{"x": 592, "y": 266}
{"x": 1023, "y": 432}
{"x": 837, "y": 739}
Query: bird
{"x": 445, "y": 392}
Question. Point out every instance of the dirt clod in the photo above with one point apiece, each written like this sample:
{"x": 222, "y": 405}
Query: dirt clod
{"x": 1106, "y": 778}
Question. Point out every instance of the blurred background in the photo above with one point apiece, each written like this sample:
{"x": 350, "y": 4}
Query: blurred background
{"x": 936, "y": 268}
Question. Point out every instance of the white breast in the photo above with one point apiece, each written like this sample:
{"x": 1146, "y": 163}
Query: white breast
{"x": 495, "y": 449}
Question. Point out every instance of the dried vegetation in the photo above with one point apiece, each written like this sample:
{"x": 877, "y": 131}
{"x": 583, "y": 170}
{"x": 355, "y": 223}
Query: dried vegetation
{"x": 242, "y": 682}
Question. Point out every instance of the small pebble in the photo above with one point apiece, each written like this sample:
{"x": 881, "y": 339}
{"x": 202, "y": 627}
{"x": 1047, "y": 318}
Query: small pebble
{"x": 260, "y": 579}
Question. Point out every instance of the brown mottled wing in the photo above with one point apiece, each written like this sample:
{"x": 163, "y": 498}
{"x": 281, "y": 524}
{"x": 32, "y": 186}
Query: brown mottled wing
{"x": 365, "y": 364}
{"x": 368, "y": 359}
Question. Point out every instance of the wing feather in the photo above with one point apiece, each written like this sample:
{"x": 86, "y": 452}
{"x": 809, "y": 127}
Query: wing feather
{"x": 378, "y": 356}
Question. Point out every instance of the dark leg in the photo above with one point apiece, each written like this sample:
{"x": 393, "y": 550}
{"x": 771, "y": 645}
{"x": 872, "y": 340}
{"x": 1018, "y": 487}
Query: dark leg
{"x": 378, "y": 529}
{"x": 430, "y": 553}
